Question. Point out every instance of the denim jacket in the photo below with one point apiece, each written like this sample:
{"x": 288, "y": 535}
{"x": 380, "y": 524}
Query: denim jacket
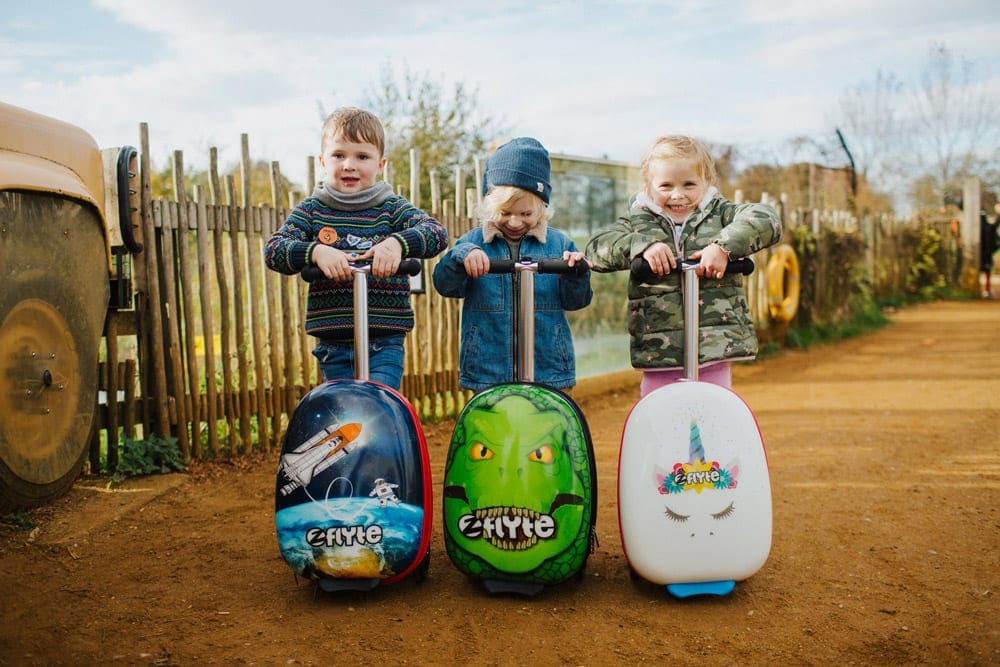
{"x": 488, "y": 354}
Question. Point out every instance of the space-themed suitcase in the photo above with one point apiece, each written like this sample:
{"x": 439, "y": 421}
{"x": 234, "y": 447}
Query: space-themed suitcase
{"x": 353, "y": 492}
{"x": 694, "y": 494}
{"x": 520, "y": 487}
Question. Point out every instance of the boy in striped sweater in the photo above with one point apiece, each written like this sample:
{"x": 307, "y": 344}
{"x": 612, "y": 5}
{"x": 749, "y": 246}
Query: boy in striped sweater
{"x": 350, "y": 217}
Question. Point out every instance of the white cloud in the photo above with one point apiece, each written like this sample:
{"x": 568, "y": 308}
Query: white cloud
{"x": 588, "y": 78}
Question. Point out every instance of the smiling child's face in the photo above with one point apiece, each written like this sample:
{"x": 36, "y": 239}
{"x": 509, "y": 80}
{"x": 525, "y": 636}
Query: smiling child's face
{"x": 350, "y": 166}
{"x": 520, "y": 216}
{"x": 676, "y": 186}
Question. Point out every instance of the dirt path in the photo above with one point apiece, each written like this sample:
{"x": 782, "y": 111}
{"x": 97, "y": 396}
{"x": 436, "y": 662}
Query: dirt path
{"x": 885, "y": 468}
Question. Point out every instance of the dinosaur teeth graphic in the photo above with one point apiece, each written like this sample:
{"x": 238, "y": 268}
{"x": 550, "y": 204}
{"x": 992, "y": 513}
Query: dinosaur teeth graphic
{"x": 508, "y": 528}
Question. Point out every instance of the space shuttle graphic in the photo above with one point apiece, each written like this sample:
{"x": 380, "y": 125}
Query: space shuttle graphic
{"x": 317, "y": 454}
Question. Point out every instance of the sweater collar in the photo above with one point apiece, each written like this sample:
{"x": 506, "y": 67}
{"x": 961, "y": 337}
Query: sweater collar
{"x": 353, "y": 201}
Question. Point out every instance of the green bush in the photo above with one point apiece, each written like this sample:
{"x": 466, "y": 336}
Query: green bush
{"x": 152, "y": 455}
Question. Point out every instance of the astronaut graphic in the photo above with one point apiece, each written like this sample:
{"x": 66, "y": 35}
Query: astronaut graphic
{"x": 383, "y": 490}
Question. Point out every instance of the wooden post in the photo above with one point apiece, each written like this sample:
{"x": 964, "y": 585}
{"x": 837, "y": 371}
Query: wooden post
{"x": 222, "y": 214}
{"x": 459, "y": 189}
{"x": 111, "y": 337}
{"x": 207, "y": 323}
{"x": 171, "y": 315}
{"x": 155, "y": 354}
{"x": 274, "y": 283}
{"x": 435, "y": 193}
{"x": 971, "y": 205}
{"x": 478, "y": 164}
{"x": 238, "y": 222}
{"x": 255, "y": 252}
{"x": 415, "y": 177}
{"x": 192, "y": 393}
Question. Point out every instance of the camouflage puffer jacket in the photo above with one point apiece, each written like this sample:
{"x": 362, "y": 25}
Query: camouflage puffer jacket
{"x": 656, "y": 310}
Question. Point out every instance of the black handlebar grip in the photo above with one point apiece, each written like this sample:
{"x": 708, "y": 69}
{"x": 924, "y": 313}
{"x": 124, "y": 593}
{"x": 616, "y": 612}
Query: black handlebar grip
{"x": 562, "y": 266}
{"x": 410, "y": 266}
{"x": 643, "y": 272}
{"x": 542, "y": 266}
{"x": 743, "y": 266}
{"x": 501, "y": 266}
{"x": 311, "y": 273}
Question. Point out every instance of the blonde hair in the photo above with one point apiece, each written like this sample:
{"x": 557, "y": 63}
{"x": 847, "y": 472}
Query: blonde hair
{"x": 356, "y": 125}
{"x": 678, "y": 146}
{"x": 503, "y": 197}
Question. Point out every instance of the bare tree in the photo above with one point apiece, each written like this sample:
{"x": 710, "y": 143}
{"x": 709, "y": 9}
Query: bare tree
{"x": 955, "y": 121}
{"x": 871, "y": 124}
{"x": 445, "y": 127}
{"x": 930, "y": 134}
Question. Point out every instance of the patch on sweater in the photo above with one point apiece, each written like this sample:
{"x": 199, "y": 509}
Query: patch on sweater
{"x": 327, "y": 236}
{"x": 359, "y": 243}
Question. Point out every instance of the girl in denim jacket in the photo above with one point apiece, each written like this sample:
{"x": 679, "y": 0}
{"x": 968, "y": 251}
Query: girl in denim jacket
{"x": 514, "y": 215}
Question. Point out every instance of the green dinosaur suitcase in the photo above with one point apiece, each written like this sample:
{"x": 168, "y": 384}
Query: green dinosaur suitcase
{"x": 520, "y": 486}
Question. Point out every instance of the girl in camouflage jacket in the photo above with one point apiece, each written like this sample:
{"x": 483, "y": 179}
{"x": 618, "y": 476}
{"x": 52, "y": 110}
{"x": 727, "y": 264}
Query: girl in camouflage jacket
{"x": 681, "y": 214}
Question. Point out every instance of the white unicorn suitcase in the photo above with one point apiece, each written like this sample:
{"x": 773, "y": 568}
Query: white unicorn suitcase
{"x": 694, "y": 494}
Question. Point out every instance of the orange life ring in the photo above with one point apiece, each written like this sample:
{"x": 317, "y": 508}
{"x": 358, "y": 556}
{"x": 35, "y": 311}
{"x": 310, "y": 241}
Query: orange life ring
{"x": 783, "y": 283}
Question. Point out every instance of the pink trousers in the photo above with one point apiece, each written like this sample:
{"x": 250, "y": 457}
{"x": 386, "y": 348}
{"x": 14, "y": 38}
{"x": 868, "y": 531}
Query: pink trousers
{"x": 720, "y": 374}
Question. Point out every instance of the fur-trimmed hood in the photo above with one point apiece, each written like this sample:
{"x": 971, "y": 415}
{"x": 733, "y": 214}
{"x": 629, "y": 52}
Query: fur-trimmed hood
{"x": 539, "y": 231}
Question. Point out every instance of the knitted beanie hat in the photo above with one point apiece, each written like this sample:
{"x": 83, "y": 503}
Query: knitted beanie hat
{"x": 521, "y": 162}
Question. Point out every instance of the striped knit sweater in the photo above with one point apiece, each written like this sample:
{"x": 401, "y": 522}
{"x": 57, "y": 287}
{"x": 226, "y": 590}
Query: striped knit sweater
{"x": 330, "y": 303}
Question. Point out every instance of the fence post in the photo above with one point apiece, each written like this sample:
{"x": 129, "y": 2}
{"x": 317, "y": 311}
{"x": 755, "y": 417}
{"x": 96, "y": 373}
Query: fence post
{"x": 222, "y": 214}
{"x": 207, "y": 324}
{"x": 153, "y": 335}
{"x": 971, "y": 205}
{"x": 192, "y": 393}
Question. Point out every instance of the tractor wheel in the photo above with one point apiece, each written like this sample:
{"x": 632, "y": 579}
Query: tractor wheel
{"x": 53, "y": 301}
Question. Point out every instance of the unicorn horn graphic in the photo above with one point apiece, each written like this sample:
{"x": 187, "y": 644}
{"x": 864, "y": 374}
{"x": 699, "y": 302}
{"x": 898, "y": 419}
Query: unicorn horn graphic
{"x": 696, "y": 452}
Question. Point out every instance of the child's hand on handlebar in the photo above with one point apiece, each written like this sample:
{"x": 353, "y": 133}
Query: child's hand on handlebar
{"x": 385, "y": 257}
{"x": 660, "y": 258}
{"x": 476, "y": 263}
{"x": 334, "y": 263}
{"x": 572, "y": 258}
{"x": 713, "y": 261}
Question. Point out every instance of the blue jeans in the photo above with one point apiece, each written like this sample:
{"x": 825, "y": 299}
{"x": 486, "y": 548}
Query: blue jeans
{"x": 385, "y": 360}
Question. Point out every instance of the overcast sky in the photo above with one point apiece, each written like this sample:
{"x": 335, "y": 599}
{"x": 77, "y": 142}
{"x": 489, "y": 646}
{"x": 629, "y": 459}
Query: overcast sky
{"x": 585, "y": 77}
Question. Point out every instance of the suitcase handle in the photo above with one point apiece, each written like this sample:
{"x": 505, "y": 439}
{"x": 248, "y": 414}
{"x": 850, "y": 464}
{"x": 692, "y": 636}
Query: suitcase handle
{"x": 526, "y": 315}
{"x": 560, "y": 266}
{"x": 359, "y": 272}
{"x": 407, "y": 267}
{"x": 643, "y": 272}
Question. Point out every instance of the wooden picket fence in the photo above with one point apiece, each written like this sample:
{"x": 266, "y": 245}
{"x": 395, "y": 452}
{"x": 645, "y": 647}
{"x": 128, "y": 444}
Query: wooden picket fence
{"x": 214, "y": 351}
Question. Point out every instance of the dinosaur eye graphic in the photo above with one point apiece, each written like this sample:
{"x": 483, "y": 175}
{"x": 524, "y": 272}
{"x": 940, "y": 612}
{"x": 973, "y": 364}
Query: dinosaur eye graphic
{"x": 541, "y": 454}
{"x": 674, "y": 516}
{"x": 480, "y": 452}
{"x": 724, "y": 514}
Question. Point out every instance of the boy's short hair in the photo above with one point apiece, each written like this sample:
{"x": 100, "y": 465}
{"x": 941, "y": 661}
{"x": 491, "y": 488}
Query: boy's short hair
{"x": 503, "y": 197}
{"x": 675, "y": 146}
{"x": 355, "y": 125}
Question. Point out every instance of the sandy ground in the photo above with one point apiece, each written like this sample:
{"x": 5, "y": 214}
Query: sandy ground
{"x": 884, "y": 457}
